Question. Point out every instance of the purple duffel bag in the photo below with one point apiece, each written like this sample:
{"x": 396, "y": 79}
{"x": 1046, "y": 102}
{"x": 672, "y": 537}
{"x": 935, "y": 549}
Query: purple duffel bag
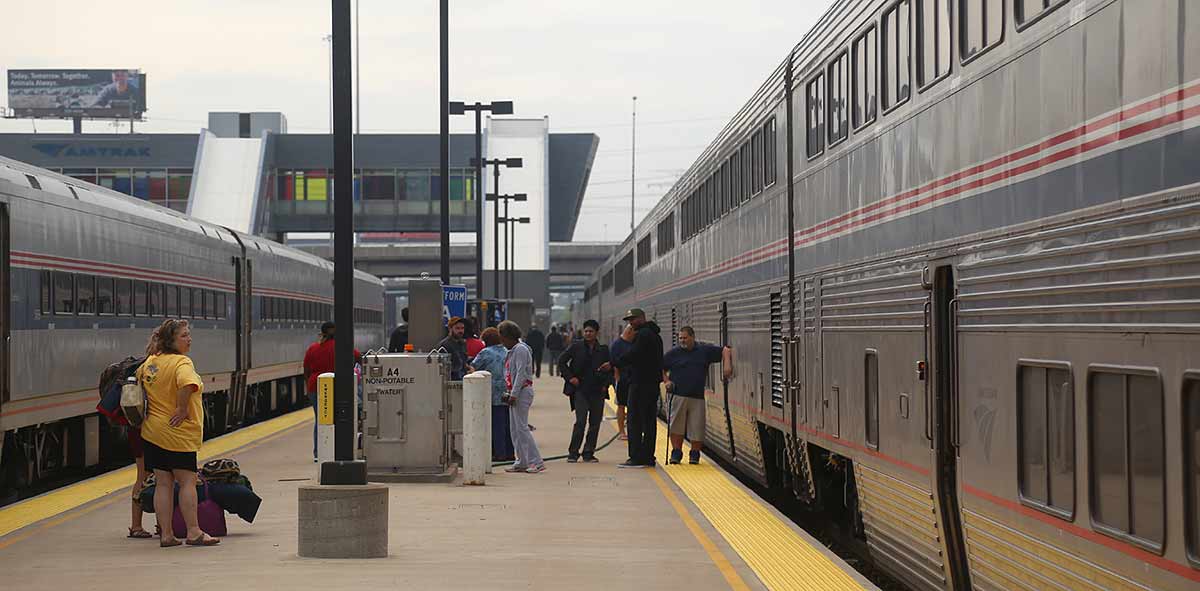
{"x": 210, "y": 515}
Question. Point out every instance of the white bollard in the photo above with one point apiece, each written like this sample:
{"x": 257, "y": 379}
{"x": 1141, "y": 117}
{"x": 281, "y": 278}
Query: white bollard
{"x": 487, "y": 422}
{"x": 324, "y": 419}
{"x": 477, "y": 404}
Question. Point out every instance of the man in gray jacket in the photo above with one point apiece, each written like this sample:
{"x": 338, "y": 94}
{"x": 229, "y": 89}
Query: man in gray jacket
{"x": 518, "y": 377}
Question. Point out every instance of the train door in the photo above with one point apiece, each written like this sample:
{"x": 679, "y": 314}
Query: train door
{"x": 4, "y": 310}
{"x": 724, "y": 329}
{"x": 941, "y": 418}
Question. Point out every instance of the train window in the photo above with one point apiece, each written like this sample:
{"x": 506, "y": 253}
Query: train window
{"x": 871, "y": 387}
{"x": 1127, "y": 464}
{"x": 1029, "y": 11}
{"x": 105, "y": 296}
{"x": 45, "y": 286}
{"x": 210, "y": 305}
{"x": 156, "y": 300}
{"x": 85, "y": 295}
{"x": 64, "y": 293}
{"x": 1191, "y": 459}
{"x": 896, "y": 56}
{"x": 980, "y": 26}
{"x": 746, "y": 171}
{"x": 124, "y": 297}
{"x": 862, "y": 111}
{"x": 727, "y": 200}
{"x": 933, "y": 41}
{"x": 666, "y": 234}
{"x": 140, "y": 298}
{"x": 769, "y": 153}
{"x": 172, "y": 308}
{"x": 757, "y": 166}
{"x": 219, "y": 303}
{"x": 838, "y": 86}
{"x": 1046, "y": 437}
{"x": 644, "y": 254}
{"x": 815, "y": 117}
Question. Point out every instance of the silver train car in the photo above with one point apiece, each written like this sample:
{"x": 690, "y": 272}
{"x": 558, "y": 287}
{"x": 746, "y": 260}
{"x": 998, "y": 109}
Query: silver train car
{"x": 88, "y": 273}
{"x": 956, "y": 247}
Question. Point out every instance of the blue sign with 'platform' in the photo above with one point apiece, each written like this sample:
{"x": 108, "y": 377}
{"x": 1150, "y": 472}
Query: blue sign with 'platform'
{"x": 454, "y": 302}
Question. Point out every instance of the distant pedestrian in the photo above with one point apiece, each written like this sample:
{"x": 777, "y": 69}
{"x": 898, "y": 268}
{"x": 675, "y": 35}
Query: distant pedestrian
{"x": 685, "y": 369}
{"x": 587, "y": 372}
{"x": 470, "y": 334}
{"x": 173, "y": 429}
{"x": 621, "y": 378}
{"x": 455, "y": 344}
{"x": 318, "y": 359}
{"x": 643, "y": 361}
{"x": 491, "y": 359}
{"x": 518, "y": 381}
{"x": 537, "y": 344}
{"x": 555, "y": 346}
{"x": 399, "y": 334}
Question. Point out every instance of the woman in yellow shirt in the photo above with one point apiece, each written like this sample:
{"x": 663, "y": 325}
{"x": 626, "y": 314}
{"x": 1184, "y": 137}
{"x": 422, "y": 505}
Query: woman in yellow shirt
{"x": 174, "y": 429}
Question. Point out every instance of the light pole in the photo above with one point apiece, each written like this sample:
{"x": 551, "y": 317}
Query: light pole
{"x": 445, "y": 143}
{"x": 496, "y": 163}
{"x": 496, "y": 108}
{"x": 510, "y": 239}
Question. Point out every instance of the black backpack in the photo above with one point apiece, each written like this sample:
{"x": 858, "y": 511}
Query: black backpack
{"x": 111, "y": 380}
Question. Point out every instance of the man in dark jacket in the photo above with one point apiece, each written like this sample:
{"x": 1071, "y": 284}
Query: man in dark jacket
{"x": 555, "y": 345}
{"x": 586, "y": 369}
{"x": 537, "y": 343}
{"x": 455, "y": 344}
{"x": 399, "y": 334}
{"x": 643, "y": 364}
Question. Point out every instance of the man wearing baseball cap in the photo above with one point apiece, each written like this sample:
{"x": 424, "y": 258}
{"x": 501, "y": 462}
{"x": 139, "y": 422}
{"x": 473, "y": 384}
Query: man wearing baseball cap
{"x": 456, "y": 345}
{"x": 643, "y": 364}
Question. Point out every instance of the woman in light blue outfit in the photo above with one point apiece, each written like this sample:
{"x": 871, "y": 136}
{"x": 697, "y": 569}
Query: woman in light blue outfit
{"x": 491, "y": 359}
{"x": 518, "y": 381}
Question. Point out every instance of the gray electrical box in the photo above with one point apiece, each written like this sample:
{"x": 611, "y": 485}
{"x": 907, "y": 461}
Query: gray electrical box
{"x": 425, "y": 327}
{"x": 521, "y": 312}
{"x": 406, "y": 434}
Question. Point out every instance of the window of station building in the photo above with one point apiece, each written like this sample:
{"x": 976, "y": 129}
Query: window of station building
{"x": 933, "y": 41}
{"x": 624, "y": 273}
{"x": 871, "y": 387}
{"x": 896, "y": 56}
{"x": 666, "y": 234}
{"x": 85, "y": 294}
{"x": 106, "y": 294}
{"x": 756, "y": 168}
{"x": 84, "y": 174}
{"x": 378, "y": 184}
{"x": 1046, "y": 437}
{"x": 1127, "y": 458}
{"x": 863, "y": 55}
{"x": 839, "y": 92}
{"x": 815, "y": 116}
{"x": 1191, "y": 462}
{"x": 417, "y": 186}
{"x": 64, "y": 293}
{"x": 117, "y": 179}
{"x": 1029, "y": 11}
{"x": 179, "y": 186}
{"x": 769, "y": 157}
{"x": 157, "y": 291}
{"x": 644, "y": 252}
{"x": 316, "y": 185}
{"x": 981, "y": 26}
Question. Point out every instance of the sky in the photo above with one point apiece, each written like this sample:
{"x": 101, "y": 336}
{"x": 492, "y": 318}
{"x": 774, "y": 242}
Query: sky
{"x": 691, "y": 63}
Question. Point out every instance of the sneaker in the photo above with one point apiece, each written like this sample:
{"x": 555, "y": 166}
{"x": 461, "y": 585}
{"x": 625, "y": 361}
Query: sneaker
{"x": 535, "y": 469}
{"x": 676, "y": 456}
{"x": 631, "y": 464}
{"x": 590, "y": 460}
{"x": 694, "y": 456}
{"x": 572, "y": 459}
{"x": 515, "y": 468}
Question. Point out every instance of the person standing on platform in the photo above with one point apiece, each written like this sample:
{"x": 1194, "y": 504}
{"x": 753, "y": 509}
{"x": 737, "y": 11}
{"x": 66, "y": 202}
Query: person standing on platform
{"x": 319, "y": 359}
{"x": 537, "y": 344}
{"x": 455, "y": 344}
{"x": 685, "y": 369}
{"x": 518, "y": 381}
{"x": 491, "y": 359}
{"x": 399, "y": 334}
{"x": 644, "y": 363}
{"x": 619, "y": 346}
{"x": 587, "y": 372}
{"x": 173, "y": 429}
{"x": 474, "y": 343}
{"x": 555, "y": 346}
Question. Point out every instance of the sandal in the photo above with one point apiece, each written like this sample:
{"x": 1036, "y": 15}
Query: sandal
{"x": 169, "y": 544}
{"x": 204, "y": 540}
{"x": 139, "y": 533}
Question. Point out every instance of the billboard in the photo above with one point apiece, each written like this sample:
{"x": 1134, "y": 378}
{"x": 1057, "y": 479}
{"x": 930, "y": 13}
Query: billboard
{"x": 110, "y": 94}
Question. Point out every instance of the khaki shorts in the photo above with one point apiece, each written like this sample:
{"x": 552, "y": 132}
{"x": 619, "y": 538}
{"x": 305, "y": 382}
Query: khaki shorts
{"x": 687, "y": 417}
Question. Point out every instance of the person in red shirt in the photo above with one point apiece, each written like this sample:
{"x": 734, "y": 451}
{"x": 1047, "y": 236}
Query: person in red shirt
{"x": 320, "y": 359}
{"x": 474, "y": 343}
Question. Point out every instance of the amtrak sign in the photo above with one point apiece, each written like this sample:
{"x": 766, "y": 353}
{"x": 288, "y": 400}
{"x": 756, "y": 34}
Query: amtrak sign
{"x": 91, "y": 151}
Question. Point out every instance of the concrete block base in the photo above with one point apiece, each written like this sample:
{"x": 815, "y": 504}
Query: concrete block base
{"x": 348, "y": 521}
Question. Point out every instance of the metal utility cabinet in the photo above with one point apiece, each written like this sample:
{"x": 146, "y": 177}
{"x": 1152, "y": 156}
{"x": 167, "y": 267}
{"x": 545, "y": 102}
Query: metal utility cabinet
{"x": 406, "y": 432}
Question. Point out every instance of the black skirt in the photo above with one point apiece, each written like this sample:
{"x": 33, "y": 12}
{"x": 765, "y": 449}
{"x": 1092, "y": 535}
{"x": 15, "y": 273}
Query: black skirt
{"x": 158, "y": 458}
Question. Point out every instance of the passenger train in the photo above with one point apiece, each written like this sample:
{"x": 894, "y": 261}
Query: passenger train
{"x": 88, "y": 273}
{"x": 955, "y": 245}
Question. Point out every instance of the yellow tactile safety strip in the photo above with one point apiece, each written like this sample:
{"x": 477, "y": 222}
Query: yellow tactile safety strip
{"x": 28, "y": 512}
{"x": 780, "y": 557}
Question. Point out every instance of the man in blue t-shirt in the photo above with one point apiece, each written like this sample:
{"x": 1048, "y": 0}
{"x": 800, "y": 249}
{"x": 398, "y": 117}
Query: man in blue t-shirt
{"x": 619, "y": 347}
{"x": 685, "y": 369}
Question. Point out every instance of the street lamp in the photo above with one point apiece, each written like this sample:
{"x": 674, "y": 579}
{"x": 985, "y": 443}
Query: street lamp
{"x": 496, "y": 251}
{"x": 496, "y": 163}
{"x": 510, "y": 239}
{"x": 496, "y": 108}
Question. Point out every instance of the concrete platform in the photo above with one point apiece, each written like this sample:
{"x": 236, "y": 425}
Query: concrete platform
{"x": 575, "y": 526}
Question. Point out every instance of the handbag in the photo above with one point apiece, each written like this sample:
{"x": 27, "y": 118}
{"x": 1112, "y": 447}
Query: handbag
{"x": 209, "y": 516}
{"x": 133, "y": 401}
